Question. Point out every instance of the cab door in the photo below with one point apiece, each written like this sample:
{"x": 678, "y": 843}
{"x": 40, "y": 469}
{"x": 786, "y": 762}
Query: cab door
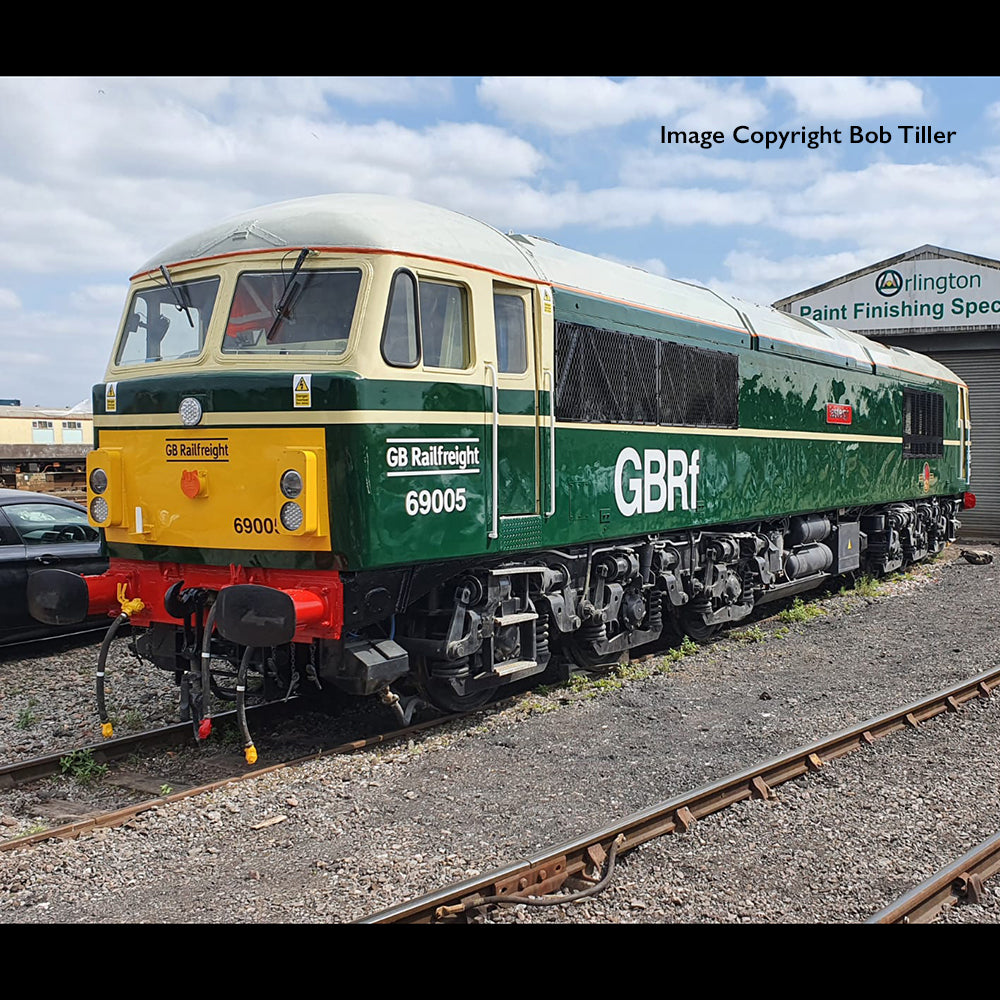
{"x": 516, "y": 410}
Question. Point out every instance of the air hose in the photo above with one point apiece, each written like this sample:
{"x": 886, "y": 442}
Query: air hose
{"x": 129, "y": 608}
{"x": 107, "y": 730}
{"x": 249, "y": 750}
{"x": 204, "y": 728}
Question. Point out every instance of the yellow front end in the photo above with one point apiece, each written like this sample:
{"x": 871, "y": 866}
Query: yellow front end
{"x": 212, "y": 488}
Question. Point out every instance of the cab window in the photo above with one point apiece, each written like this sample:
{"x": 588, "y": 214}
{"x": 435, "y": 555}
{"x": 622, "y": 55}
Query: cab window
{"x": 511, "y": 331}
{"x": 164, "y": 324}
{"x": 444, "y": 325}
{"x": 440, "y": 337}
{"x": 317, "y": 310}
{"x": 400, "y": 341}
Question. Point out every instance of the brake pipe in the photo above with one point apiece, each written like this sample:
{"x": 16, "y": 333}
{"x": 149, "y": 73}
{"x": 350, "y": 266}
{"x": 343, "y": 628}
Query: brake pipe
{"x": 249, "y": 750}
{"x": 129, "y": 608}
{"x": 204, "y": 729}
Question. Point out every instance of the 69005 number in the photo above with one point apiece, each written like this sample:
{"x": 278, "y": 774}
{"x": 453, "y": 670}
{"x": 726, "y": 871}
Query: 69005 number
{"x": 435, "y": 501}
{"x": 255, "y": 526}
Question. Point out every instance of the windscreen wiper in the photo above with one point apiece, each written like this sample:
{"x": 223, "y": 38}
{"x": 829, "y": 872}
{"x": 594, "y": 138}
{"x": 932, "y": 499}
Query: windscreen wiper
{"x": 283, "y": 301}
{"x": 177, "y": 295}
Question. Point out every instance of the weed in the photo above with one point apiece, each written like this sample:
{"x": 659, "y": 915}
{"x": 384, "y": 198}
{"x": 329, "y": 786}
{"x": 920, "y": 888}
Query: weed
{"x": 780, "y": 633}
{"x": 166, "y": 789}
{"x": 133, "y": 719}
{"x": 81, "y": 765}
{"x": 867, "y": 586}
{"x": 36, "y": 828}
{"x": 800, "y": 612}
{"x": 26, "y": 719}
{"x": 752, "y": 634}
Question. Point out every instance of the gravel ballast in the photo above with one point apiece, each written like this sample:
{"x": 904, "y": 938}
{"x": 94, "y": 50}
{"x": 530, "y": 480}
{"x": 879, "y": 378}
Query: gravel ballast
{"x": 343, "y": 837}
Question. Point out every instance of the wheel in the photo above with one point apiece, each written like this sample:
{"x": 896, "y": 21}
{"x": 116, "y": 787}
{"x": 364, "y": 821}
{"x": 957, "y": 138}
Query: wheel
{"x": 585, "y": 658}
{"x": 693, "y": 625}
{"x": 439, "y": 692}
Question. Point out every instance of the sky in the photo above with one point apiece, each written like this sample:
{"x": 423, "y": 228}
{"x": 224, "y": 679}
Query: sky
{"x": 704, "y": 179}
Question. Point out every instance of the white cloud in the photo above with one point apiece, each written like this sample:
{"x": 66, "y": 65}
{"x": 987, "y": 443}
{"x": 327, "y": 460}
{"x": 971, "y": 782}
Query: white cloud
{"x": 849, "y": 96}
{"x": 902, "y": 205}
{"x": 672, "y": 165}
{"x": 9, "y": 299}
{"x": 575, "y": 103}
{"x": 112, "y": 177}
{"x": 51, "y": 358}
{"x": 758, "y": 278}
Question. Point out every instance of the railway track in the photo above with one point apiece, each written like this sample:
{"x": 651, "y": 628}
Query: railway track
{"x": 962, "y": 881}
{"x": 356, "y": 808}
{"x": 586, "y": 864}
{"x": 172, "y": 736}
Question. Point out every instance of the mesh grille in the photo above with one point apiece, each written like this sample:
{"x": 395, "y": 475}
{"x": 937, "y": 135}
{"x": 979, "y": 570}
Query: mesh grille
{"x": 604, "y": 376}
{"x": 923, "y": 423}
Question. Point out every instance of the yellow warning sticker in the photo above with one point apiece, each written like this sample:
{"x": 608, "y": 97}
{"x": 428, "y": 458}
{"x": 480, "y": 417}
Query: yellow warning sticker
{"x": 111, "y": 397}
{"x": 301, "y": 391}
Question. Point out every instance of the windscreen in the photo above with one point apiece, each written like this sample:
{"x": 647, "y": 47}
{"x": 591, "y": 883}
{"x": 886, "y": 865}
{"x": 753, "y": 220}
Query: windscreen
{"x": 168, "y": 322}
{"x": 309, "y": 313}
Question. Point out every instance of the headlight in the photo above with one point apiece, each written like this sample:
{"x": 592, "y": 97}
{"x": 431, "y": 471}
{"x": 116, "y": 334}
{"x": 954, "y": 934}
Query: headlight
{"x": 291, "y": 484}
{"x": 190, "y": 411}
{"x": 99, "y": 510}
{"x": 99, "y": 482}
{"x": 291, "y": 516}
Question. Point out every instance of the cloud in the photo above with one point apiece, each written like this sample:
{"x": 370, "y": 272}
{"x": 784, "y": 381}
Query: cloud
{"x": 672, "y": 165}
{"x": 900, "y": 204}
{"x": 111, "y": 171}
{"x": 849, "y": 96}
{"x": 757, "y": 277}
{"x": 573, "y": 104}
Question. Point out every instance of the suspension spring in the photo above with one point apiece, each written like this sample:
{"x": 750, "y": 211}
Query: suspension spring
{"x": 450, "y": 668}
{"x": 542, "y": 634}
{"x": 654, "y": 617}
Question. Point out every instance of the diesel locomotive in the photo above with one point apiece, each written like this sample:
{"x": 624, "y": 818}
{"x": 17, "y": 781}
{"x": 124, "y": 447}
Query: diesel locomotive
{"x": 368, "y": 443}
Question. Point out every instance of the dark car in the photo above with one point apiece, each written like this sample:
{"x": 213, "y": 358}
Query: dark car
{"x": 40, "y": 531}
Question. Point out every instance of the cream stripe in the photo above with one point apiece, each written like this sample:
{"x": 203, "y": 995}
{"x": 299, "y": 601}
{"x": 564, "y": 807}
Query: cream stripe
{"x": 420, "y": 417}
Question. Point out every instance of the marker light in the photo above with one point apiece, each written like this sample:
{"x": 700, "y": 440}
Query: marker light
{"x": 291, "y": 516}
{"x": 291, "y": 484}
{"x": 98, "y": 481}
{"x": 99, "y": 510}
{"x": 969, "y": 501}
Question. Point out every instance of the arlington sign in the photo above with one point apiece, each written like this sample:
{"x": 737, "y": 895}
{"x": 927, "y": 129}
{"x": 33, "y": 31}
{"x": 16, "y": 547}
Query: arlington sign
{"x": 907, "y": 295}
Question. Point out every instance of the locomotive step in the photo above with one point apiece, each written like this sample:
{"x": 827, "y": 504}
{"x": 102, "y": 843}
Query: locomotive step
{"x": 514, "y": 619}
{"x": 515, "y": 667}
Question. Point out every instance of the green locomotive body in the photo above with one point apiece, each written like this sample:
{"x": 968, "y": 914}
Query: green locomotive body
{"x": 383, "y": 443}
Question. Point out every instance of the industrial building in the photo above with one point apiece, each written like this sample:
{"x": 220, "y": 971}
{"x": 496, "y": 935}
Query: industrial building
{"x": 945, "y": 304}
{"x": 42, "y": 448}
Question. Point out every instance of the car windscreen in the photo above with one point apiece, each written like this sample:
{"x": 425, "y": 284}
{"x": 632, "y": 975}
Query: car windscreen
{"x": 49, "y": 523}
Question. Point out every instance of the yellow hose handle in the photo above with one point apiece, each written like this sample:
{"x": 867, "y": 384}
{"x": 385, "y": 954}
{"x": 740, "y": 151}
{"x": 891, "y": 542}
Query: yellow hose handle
{"x": 129, "y": 607}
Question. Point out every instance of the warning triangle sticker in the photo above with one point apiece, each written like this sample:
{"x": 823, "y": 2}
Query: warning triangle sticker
{"x": 302, "y": 387}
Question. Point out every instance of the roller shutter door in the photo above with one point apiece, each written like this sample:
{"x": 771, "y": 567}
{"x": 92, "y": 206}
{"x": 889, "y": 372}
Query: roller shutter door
{"x": 981, "y": 371}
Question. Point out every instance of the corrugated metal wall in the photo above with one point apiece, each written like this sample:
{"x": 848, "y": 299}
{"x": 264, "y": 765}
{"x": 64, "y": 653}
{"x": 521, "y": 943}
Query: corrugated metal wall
{"x": 981, "y": 370}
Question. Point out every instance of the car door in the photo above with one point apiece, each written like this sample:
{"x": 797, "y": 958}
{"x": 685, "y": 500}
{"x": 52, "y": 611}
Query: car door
{"x": 13, "y": 578}
{"x": 51, "y": 535}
